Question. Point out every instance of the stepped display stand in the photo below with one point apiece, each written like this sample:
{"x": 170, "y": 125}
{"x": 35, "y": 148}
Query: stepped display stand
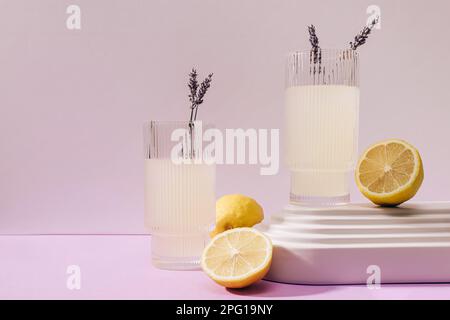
{"x": 345, "y": 244}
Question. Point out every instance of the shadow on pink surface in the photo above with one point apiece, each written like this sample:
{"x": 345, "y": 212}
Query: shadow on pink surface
{"x": 269, "y": 289}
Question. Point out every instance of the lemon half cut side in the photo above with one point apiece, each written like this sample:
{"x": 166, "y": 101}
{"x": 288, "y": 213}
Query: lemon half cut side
{"x": 238, "y": 257}
{"x": 389, "y": 172}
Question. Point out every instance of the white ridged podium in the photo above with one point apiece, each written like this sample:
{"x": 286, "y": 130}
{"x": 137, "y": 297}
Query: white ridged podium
{"x": 337, "y": 245}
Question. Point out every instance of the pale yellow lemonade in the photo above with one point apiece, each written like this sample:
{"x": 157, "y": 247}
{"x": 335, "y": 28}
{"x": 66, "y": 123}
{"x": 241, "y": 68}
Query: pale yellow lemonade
{"x": 321, "y": 137}
{"x": 180, "y": 201}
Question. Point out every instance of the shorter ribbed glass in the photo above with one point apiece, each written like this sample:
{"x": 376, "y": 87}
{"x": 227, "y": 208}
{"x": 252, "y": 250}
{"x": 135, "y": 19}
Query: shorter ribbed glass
{"x": 179, "y": 193}
{"x": 322, "y": 110}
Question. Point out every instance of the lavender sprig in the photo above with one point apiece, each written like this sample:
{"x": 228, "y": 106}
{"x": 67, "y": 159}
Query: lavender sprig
{"x": 197, "y": 93}
{"x": 314, "y": 40}
{"x": 193, "y": 85}
{"x": 361, "y": 37}
{"x": 203, "y": 88}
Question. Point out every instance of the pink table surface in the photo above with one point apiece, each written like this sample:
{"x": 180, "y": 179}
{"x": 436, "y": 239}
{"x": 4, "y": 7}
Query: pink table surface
{"x": 118, "y": 267}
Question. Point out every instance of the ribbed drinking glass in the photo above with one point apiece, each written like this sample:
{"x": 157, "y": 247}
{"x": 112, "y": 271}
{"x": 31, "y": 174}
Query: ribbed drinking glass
{"x": 322, "y": 111}
{"x": 179, "y": 197}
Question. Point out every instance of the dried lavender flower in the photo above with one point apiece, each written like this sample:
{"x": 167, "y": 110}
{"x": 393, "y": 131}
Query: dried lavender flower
{"x": 361, "y": 37}
{"x": 193, "y": 85}
{"x": 197, "y": 93}
{"x": 203, "y": 88}
{"x": 202, "y": 91}
{"x": 314, "y": 40}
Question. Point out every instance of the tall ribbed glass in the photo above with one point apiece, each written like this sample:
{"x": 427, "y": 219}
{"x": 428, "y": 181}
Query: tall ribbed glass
{"x": 322, "y": 111}
{"x": 179, "y": 193}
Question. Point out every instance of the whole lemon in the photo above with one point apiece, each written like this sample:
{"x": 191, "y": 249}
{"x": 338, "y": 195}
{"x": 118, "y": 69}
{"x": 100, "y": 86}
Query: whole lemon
{"x": 236, "y": 211}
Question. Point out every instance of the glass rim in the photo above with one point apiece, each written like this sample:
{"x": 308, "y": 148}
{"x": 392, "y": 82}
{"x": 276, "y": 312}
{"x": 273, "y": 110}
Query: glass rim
{"x": 304, "y": 52}
{"x": 159, "y": 140}
{"x": 176, "y": 122}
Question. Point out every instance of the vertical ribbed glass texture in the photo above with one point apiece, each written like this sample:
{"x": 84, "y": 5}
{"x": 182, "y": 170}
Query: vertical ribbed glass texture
{"x": 179, "y": 198}
{"x": 322, "y": 111}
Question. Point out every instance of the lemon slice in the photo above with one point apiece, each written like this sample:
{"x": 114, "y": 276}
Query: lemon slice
{"x": 389, "y": 172}
{"x": 238, "y": 257}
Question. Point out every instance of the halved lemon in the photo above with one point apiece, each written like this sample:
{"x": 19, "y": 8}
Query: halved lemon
{"x": 238, "y": 257}
{"x": 389, "y": 172}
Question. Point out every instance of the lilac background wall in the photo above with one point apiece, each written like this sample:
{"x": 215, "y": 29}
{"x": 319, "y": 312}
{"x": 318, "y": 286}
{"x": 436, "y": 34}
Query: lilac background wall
{"x": 72, "y": 103}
